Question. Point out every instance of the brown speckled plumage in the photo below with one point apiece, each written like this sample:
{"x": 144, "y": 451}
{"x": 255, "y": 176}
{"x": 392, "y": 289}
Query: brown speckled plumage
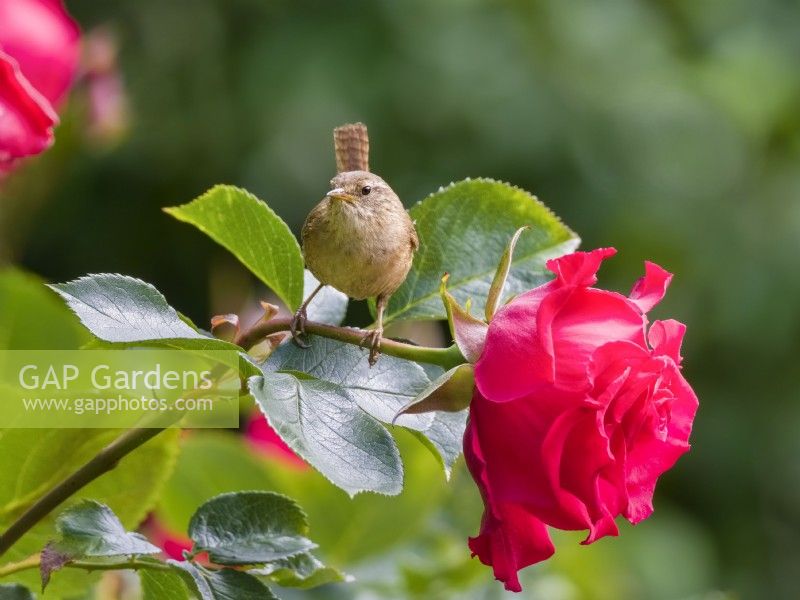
{"x": 359, "y": 238}
{"x": 351, "y": 143}
{"x": 362, "y": 247}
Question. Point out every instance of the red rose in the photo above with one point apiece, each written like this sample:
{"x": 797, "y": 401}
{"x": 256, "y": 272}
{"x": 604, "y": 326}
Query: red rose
{"x": 172, "y": 543}
{"x": 577, "y": 411}
{"x": 266, "y": 441}
{"x": 39, "y": 50}
{"x": 26, "y": 118}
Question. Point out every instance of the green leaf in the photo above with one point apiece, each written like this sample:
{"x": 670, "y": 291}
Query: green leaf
{"x": 322, "y": 424}
{"x": 452, "y": 392}
{"x": 347, "y": 529}
{"x": 445, "y": 437}
{"x": 253, "y": 233}
{"x": 324, "y": 402}
{"x": 203, "y": 472}
{"x": 118, "y": 309}
{"x": 249, "y": 528}
{"x": 463, "y": 230}
{"x": 91, "y": 529}
{"x": 226, "y": 584}
{"x": 303, "y": 571}
{"x": 162, "y": 585}
{"x": 31, "y": 318}
{"x": 122, "y": 309}
{"x": 329, "y": 306}
{"x": 381, "y": 391}
{"x": 13, "y": 591}
{"x": 501, "y": 276}
{"x": 31, "y": 462}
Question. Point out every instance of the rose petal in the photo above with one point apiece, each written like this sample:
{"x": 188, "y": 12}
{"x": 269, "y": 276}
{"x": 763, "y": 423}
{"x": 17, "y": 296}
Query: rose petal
{"x": 579, "y": 268}
{"x": 572, "y": 324}
{"x": 264, "y": 439}
{"x": 650, "y": 289}
{"x": 573, "y": 500}
{"x": 649, "y": 457}
{"x": 44, "y": 40}
{"x": 610, "y": 362}
{"x": 512, "y": 435}
{"x": 26, "y": 118}
{"x": 666, "y": 338}
{"x": 578, "y": 411}
{"x": 511, "y": 539}
{"x": 512, "y": 360}
{"x": 511, "y": 536}
{"x": 548, "y": 335}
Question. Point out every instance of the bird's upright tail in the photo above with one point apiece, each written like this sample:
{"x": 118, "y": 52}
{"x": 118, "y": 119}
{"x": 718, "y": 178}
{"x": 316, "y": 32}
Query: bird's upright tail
{"x": 351, "y": 143}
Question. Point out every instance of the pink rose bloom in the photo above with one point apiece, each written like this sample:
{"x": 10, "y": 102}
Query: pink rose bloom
{"x": 26, "y": 118}
{"x": 105, "y": 89}
{"x": 39, "y": 51}
{"x": 264, "y": 440}
{"x": 172, "y": 543}
{"x": 578, "y": 409}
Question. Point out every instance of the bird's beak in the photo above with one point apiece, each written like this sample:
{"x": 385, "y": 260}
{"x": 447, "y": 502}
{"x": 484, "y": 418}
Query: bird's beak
{"x": 340, "y": 194}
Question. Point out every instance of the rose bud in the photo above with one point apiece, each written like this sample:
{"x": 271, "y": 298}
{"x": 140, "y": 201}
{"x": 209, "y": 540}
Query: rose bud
{"x": 225, "y": 327}
{"x": 578, "y": 409}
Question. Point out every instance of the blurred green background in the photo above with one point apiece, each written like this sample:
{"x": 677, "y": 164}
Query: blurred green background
{"x": 667, "y": 128}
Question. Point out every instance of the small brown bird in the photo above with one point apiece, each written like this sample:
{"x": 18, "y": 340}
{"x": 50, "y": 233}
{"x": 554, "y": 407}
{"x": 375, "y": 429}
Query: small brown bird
{"x": 359, "y": 239}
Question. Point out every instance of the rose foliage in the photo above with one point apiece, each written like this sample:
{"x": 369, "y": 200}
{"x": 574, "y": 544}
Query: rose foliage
{"x": 568, "y": 404}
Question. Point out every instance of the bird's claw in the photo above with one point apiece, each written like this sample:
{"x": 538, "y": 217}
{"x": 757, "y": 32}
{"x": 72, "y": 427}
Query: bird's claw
{"x": 298, "y": 328}
{"x": 372, "y": 339}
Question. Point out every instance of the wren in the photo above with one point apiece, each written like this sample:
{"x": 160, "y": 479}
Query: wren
{"x": 359, "y": 239}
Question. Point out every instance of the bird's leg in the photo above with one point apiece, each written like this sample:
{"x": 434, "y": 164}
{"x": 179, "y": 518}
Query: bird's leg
{"x": 298, "y": 324}
{"x": 375, "y": 335}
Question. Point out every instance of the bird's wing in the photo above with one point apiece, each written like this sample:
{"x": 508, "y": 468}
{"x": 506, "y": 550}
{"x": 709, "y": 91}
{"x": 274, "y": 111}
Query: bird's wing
{"x": 414, "y": 239}
{"x": 313, "y": 220}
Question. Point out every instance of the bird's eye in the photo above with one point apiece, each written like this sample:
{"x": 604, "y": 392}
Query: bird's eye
{"x": 365, "y": 190}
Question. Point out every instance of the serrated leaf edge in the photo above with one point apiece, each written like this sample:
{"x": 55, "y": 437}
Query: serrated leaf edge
{"x": 568, "y": 243}
{"x": 303, "y": 514}
{"x": 174, "y": 211}
{"x": 351, "y": 493}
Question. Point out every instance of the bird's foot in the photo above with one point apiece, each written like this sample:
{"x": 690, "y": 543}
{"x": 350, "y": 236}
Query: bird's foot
{"x": 372, "y": 340}
{"x": 298, "y": 327}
